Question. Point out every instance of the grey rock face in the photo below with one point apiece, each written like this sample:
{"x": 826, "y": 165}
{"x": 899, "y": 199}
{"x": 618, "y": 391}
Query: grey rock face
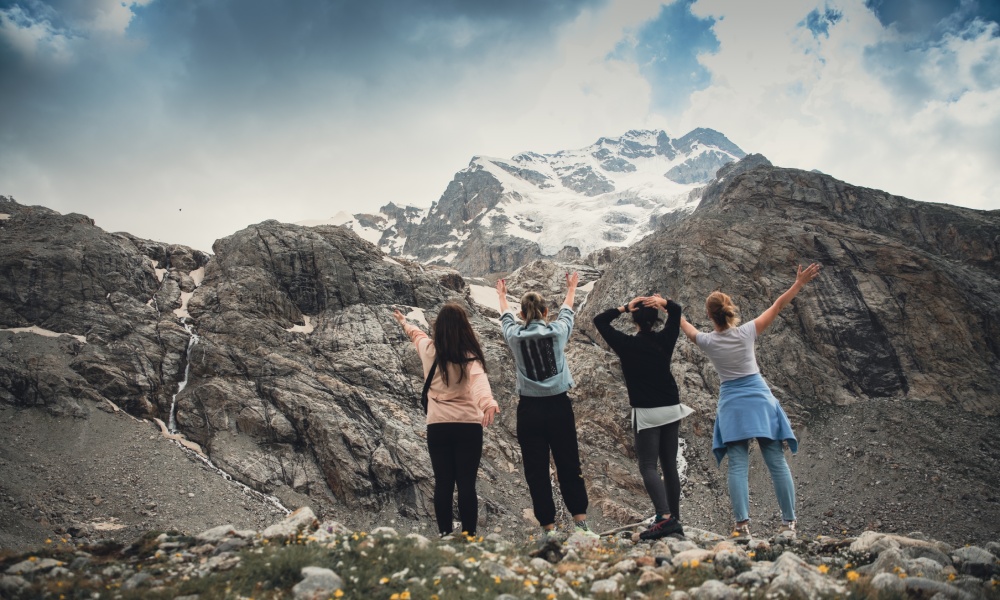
{"x": 698, "y": 169}
{"x": 898, "y": 283}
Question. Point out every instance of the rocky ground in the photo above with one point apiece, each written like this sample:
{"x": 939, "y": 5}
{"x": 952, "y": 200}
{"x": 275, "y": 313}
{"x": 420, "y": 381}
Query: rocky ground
{"x": 77, "y": 485}
{"x": 302, "y": 558}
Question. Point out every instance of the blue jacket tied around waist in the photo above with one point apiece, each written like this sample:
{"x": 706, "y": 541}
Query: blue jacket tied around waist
{"x": 747, "y": 409}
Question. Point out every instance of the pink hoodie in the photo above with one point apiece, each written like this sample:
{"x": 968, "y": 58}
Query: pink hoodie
{"x": 458, "y": 402}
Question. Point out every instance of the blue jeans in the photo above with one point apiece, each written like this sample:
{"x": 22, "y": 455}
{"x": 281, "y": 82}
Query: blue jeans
{"x": 739, "y": 470}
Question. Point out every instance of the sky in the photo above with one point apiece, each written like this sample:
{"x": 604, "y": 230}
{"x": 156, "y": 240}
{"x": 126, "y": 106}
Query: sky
{"x": 186, "y": 121}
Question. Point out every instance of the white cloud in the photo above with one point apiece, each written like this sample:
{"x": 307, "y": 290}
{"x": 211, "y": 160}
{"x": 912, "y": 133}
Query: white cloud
{"x": 831, "y": 104}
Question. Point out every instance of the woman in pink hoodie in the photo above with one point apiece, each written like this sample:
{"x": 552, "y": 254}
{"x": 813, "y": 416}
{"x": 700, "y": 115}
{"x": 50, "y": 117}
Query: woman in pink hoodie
{"x": 459, "y": 405}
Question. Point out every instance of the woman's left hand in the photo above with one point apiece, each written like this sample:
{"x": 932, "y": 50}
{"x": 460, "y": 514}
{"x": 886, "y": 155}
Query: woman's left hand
{"x": 488, "y": 415}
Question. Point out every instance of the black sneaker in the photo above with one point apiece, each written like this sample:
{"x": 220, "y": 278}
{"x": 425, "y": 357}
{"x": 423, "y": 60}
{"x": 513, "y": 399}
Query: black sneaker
{"x": 662, "y": 528}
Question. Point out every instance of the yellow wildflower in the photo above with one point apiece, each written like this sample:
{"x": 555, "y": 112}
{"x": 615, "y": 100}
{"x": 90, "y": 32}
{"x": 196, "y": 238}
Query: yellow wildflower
{"x": 48, "y": 541}
{"x": 405, "y": 595}
{"x": 848, "y": 566}
{"x": 951, "y": 577}
{"x": 823, "y": 569}
{"x": 32, "y": 558}
{"x": 435, "y": 597}
{"x": 394, "y": 597}
{"x": 496, "y": 579}
{"x": 751, "y": 554}
{"x": 852, "y": 576}
{"x": 550, "y": 597}
{"x": 384, "y": 580}
{"x": 694, "y": 563}
{"x": 338, "y": 593}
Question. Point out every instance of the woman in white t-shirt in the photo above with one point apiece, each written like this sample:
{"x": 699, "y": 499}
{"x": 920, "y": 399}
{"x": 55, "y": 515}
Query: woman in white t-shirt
{"x": 747, "y": 408}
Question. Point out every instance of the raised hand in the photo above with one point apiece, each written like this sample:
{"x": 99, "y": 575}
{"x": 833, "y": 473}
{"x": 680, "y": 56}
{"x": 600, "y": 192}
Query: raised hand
{"x": 400, "y": 318}
{"x": 572, "y": 279}
{"x": 635, "y": 302}
{"x": 655, "y": 301}
{"x": 502, "y": 288}
{"x": 804, "y": 276}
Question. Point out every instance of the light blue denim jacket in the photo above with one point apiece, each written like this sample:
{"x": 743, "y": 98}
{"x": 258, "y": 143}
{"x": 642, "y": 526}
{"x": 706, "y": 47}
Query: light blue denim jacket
{"x": 538, "y": 349}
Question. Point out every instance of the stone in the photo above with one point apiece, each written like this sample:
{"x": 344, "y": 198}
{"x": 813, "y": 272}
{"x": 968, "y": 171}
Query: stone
{"x": 731, "y": 561}
{"x": 976, "y": 561}
{"x": 318, "y": 583}
{"x": 791, "y": 575}
{"x": 299, "y": 521}
{"x": 216, "y": 534}
{"x": 889, "y": 583}
{"x": 28, "y": 567}
{"x": 12, "y": 584}
{"x": 688, "y": 556}
{"x": 540, "y": 565}
{"x": 137, "y": 580}
{"x": 888, "y": 561}
{"x": 604, "y": 586}
{"x": 714, "y": 589}
{"x": 625, "y": 566}
{"x": 649, "y": 578}
{"x": 495, "y": 569}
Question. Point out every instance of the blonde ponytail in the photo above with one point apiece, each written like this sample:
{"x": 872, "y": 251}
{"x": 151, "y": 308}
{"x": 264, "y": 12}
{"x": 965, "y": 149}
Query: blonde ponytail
{"x": 721, "y": 310}
{"x": 533, "y": 307}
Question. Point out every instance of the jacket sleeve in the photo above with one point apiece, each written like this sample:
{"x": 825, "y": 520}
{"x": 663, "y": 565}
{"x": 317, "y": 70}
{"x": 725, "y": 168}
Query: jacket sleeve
{"x": 563, "y": 325}
{"x": 421, "y": 341}
{"x": 482, "y": 394}
{"x": 508, "y": 325}
{"x": 667, "y": 337}
{"x": 616, "y": 339}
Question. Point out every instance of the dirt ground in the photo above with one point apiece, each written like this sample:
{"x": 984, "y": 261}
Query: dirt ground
{"x": 108, "y": 476}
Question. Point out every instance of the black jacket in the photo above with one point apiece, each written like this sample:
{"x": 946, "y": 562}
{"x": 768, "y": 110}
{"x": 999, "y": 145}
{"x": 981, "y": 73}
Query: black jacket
{"x": 645, "y": 358}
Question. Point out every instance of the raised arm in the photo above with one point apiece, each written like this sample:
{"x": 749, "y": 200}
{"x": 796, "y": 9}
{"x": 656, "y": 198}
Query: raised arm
{"x": 802, "y": 277}
{"x": 502, "y": 295}
{"x": 571, "y": 281}
{"x": 602, "y": 322}
{"x": 689, "y": 330}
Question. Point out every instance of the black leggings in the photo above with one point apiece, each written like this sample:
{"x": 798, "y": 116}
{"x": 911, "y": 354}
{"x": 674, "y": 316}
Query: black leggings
{"x": 660, "y": 443}
{"x": 455, "y": 449}
{"x": 546, "y": 424}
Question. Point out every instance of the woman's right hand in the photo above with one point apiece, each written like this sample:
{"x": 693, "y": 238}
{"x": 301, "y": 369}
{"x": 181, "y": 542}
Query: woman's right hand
{"x": 635, "y": 302}
{"x": 400, "y": 318}
{"x": 489, "y": 414}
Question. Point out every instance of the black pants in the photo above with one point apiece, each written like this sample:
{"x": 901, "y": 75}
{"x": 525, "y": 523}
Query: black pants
{"x": 455, "y": 449}
{"x": 545, "y": 425}
{"x": 660, "y": 443}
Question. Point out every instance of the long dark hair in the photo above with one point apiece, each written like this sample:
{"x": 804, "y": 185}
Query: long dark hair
{"x": 455, "y": 342}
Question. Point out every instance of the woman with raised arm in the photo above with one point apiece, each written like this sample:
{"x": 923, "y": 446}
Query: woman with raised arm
{"x": 747, "y": 408}
{"x": 545, "y": 421}
{"x": 459, "y": 405}
{"x": 656, "y": 407}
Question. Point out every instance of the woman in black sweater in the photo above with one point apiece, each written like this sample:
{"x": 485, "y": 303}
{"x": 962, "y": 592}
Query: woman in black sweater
{"x": 656, "y": 408}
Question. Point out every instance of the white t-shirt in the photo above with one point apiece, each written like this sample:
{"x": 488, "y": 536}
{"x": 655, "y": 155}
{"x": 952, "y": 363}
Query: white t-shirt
{"x": 731, "y": 351}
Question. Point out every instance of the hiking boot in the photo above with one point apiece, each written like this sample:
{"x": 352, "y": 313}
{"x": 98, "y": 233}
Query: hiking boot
{"x": 741, "y": 533}
{"x": 662, "y": 528}
{"x": 787, "y": 530}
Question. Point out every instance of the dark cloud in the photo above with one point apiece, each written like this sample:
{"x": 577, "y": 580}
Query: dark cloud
{"x": 931, "y": 18}
{"x": 666, "y": 50}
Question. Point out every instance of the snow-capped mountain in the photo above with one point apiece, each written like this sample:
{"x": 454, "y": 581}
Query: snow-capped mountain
{"x": 498, "y": 214}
